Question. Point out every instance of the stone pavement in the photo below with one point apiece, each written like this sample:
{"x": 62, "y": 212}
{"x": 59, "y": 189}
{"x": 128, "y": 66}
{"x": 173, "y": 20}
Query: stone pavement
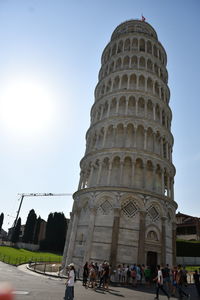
{"x": 128, "y": 292}
{"x": 143, "y": 293}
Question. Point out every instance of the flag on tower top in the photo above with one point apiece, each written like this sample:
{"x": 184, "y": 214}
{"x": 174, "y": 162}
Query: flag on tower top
{"x": 143, "y": 18}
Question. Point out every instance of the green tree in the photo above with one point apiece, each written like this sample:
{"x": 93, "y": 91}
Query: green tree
{"x": 29, "y": 230}
{"x": 55, "y": 232}
{"x": 1, "y": 220}
{"x": 16, "y": 232}
{"x": 37, "y": 230}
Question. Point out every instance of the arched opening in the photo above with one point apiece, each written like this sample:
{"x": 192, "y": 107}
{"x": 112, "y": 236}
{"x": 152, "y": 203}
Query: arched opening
{"x": 142, "y": 62}
{"x": 134, "y": 61}
{"x": 149, "y": 47}
{"x": 133, "y": 81}
{"x": 118, "y": 64}
{"x": 124, "y": 82}
{"x": 122, "y": 106}
{"x": 142, "y": 45}
{"x": 120, "y": 47}
{"x": 126, "y": 62}
{"x": 131, "y": 105}
{"x": 127, "y": 45}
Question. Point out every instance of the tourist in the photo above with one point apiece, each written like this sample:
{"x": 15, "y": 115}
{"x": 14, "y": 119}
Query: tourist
{"x": 174, "y": 283}
{"x": 92, "y": 276}
{"x": 147, "y": 275}
{"x": 159, "y": 280}
{"x": 196, "y": 281}
{"x": 69, "y": 292}
{"x": 128, "y": 274}
{"x": 106, "y": 276}
{"x": 85, "y": 274}
{"x": 133, "y": 274}
{"x": 119, "y": 272}
{"x": 166, "y": 276}
{"x": 101, "y": 273}
{"x": 123, "y": 273}
{"x": 180, "y": 279}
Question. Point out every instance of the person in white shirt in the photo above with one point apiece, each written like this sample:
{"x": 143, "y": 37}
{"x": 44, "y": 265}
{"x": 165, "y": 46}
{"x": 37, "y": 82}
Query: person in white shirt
{"x": 159, "y": 279}
{"x": 69, "y": 292}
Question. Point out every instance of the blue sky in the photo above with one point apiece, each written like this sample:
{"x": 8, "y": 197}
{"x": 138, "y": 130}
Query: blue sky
{"x": 53, "y": 49}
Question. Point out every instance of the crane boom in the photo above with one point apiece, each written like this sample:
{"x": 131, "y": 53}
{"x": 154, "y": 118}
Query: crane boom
{"x": 43, "y": 194}
{"x": 35, "y": 195}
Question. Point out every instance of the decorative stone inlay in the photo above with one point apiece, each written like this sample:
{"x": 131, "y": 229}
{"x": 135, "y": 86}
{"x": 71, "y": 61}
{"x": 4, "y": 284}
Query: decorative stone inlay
{"x": 129, "y": 209}
{"x": 153, "y": 213}
{"x": 105, "y": 207}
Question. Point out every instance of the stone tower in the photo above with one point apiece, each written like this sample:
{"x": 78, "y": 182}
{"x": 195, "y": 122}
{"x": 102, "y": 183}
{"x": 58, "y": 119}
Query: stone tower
{"x": 124, "y": 209}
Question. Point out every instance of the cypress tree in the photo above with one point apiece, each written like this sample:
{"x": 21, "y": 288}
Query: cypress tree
{"x": 55, "y": 232}
{"x": 16, "y": 232}
{"x": 37, "y": 230}
{"x": 30, "y": 227}
{"x": 1, "y": 220}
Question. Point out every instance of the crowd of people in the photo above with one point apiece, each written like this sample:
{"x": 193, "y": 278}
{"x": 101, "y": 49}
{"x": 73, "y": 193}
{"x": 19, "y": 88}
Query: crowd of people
{"x": 172, "y": 281}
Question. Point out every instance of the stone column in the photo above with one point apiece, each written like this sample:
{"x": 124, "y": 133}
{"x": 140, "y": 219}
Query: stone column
{"x": 80, "y": 181}
{"x": 145, "y": 109}
{"x": 99, "y": 172}
{"x": 145, "y": 139}
{"x": 121, "y": 172}
{"x": 154, "y": 112}
{"x": 172, "y": 189}
{"x": 72, "y": 238}
{"x": 104, "y": 137}
{"x": 91, "y": 175}
{"x": 117, "y": 107}
{"x": 126, "y": 110}
{"x": 154, "y": 179}
{"x": 101, "y": 114}
{"x": 162, "y": 182}
{"x": 108, "y": 111}
{"x": 109, "y": 173}
{"x": 114, "y": 136}
{"x": 163, "y": 241}
{"x": 67, "y": 241}
{"x": 141, "y": 242}
{"x": 136, "y": 107}
{"x": 133, "y": 174}
{"x": 88, "y": 245}
{"x": 115, "y": 236}
{"x": 174, "y": 244}
{"x": 145, "y": 85}
{"x": 168, "y": 187}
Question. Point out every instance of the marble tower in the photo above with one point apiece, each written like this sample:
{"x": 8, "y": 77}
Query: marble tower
{"x": 124, "y": 208}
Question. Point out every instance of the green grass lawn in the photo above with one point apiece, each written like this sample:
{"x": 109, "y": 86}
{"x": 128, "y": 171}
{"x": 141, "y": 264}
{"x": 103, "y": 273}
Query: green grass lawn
{"x": 192, "y": 268}
{"x": 15, "y": 256}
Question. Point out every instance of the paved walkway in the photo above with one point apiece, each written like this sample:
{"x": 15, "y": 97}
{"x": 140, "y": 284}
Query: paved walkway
{"x": 115, "y": 291}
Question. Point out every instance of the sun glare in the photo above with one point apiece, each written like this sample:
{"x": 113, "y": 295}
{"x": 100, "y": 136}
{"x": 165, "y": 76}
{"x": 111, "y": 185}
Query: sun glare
{"x": 26, "y": 108}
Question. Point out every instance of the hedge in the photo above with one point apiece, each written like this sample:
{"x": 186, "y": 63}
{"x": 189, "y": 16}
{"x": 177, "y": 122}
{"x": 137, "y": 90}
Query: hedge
{"x": 188, "y": 248}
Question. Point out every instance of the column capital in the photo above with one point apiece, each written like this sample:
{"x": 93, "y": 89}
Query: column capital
{"x": 163, "y": 218}
{"x": 143, "y": 213}
{"x": 93, "y": 210}
{"x": 117, "y": 211}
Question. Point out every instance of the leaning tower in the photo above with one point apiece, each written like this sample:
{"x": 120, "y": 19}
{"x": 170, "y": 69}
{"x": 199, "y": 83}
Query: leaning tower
{"x": 124, "y": 209}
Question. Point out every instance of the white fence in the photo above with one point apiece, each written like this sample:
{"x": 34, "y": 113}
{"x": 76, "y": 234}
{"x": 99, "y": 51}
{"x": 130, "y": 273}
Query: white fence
{"x": 188, "y": 261}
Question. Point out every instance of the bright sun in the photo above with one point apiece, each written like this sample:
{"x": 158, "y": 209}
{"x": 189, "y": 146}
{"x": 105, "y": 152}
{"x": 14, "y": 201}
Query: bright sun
{"x": 26, "y": 108}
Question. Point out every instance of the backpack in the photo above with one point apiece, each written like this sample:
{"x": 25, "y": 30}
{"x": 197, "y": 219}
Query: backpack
{"x": 133, "y": 273}
{"x": 180, "y": 277}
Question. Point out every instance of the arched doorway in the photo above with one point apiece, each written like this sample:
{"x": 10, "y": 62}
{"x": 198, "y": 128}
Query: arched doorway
{"x": 152, "y": 259}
